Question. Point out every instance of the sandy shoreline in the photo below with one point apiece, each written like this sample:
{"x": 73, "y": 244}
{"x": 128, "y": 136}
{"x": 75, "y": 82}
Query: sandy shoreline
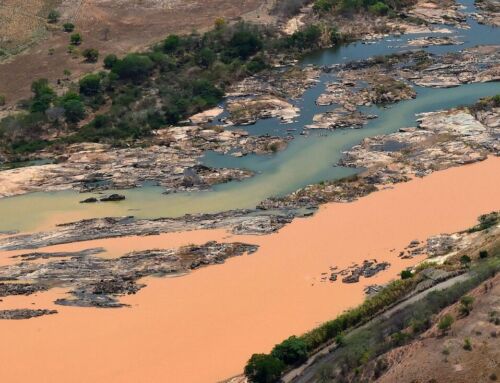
{"x": 204, "y": 326}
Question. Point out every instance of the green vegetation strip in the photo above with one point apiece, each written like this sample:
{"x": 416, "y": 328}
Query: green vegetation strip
{"x": 364, "y": 344}
{"x": 175, "y": 79}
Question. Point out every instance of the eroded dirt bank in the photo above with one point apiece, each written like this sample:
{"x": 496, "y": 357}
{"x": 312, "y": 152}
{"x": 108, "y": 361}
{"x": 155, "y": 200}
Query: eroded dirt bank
{"x": 204, "y": 326}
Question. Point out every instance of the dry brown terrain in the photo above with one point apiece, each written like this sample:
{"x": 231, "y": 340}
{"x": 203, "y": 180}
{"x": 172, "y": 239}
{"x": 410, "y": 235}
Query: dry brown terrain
{"x": 117, "y": 26}
{"x": 436, "y": 358}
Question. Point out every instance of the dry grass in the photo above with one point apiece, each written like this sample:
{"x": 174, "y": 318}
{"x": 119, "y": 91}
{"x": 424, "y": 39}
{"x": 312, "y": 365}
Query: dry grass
{"x": 111, "y": 26}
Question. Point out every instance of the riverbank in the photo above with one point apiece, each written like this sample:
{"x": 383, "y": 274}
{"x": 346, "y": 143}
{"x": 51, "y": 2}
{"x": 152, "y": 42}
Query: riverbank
{"x": 250, "y": 303}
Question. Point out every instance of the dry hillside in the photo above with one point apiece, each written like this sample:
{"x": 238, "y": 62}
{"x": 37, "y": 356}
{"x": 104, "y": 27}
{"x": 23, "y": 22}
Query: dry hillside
{"x": 111, "y": 26}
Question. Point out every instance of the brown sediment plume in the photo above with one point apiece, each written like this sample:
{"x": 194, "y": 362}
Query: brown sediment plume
{"x": 202, "y": 327}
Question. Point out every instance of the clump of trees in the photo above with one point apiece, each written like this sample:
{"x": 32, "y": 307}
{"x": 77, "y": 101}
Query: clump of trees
{"x": 176, "y": 78}
{"x": 376, "y": 7}
{"x": 294, "y": 350}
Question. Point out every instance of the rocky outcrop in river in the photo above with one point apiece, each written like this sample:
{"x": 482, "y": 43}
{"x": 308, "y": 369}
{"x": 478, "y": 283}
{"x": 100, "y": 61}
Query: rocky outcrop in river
{"x": 98, "y": 282}
{"x": 169, "y": 159}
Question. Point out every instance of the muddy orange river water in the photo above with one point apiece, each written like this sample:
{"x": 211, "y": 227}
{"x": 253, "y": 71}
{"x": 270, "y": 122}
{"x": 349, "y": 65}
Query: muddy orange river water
{"x": 203, "y": 327}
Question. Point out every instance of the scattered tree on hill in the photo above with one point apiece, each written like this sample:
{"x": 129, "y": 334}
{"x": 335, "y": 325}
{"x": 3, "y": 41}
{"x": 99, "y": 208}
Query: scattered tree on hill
{"x": 91, "y": 55}
{"x": 445, "y": 323}
{"x": 465, "y": 260}
{"x": 171, "y": 43}
{"x": 53, "y": 16}
{"x": 483, "y": 254}
{"x": 2, "y": 100}
{"x": 68, "y": 27}
{"x": 74, "y": 109}
{"x": 43, "y": 97}
{"x": 466, "y": 305}
{"x": 110, "y": 61}
{"x": 467, "y": 344}
{"x": 76, "y": 39}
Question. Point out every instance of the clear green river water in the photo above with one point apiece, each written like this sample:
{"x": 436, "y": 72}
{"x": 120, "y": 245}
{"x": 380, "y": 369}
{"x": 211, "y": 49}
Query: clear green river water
{"x": 308, "y": 159}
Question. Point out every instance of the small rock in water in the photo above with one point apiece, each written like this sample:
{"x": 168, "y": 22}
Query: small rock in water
{"x": 24, "y": 313}
{"x": 89, "y": 200}
{"x": 113, "y": 198}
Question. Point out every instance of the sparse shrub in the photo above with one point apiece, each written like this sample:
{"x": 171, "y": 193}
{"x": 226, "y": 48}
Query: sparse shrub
{"x": 445, "y": 323}
{"x": 467, "y": 344}
{"x": 466, "y": 305}
{"x": 75, "y": 39}
{"x": 493, "y": 377}
{"x": 483, "y": 254}
{"x": 446, "y": 351}
{"x": 380, "y": 367}
{"x": 91, "y": 55}
{"x": 2, "y": 100}
{"x": 406, "y": 274}
{"x": 68, "y": 27}
{"x": 53, "y": 16}
{"x": 324, "y": 5}
{"x": 465, "y": 260}
{"x": 379, "y": 8}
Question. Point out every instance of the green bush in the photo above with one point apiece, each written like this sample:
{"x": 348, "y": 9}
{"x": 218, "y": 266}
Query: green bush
{"x": 74, "y": 108}
{"x": 379, "y": 8}
{"x": 75, "y": 39}
{"x": 324, "y": 5}
{"x": 110, "y": 61}
{"x": 292, "y": 351}
{"x": 307, "y": 38}
{"x": 43, "y": 97}
{"x": 466, "y": 304}
{"x": 465, "y": 260}
{"x": 90, "y": 85}
{"x": 406, "y": 274}
{"x": 135, "y": 67}
{"x": 445, "y": 323}
{"x": 68, "y": 27}
{"x": 91, "y": 55}
{"x": 53, "y": 16}
{"x": 467, "y": 344}
{"x": 263, "y": 368}
{"x": 483, "y": 254}
{"x": 171, "y": 43}
{"x": 245, "y": 43}
{"x": 2, "y": 100}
